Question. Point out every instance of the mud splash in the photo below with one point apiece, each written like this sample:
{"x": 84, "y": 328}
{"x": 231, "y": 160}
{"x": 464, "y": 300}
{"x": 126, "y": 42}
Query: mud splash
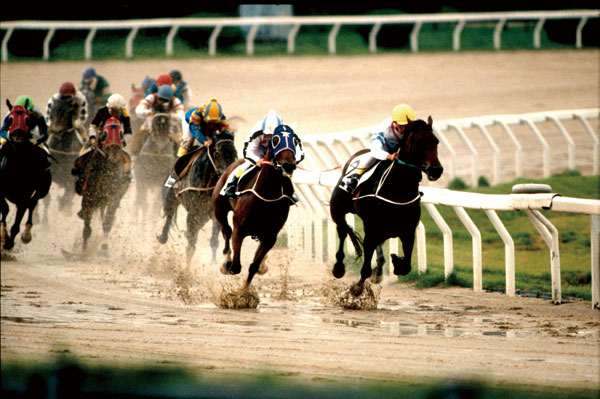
{"x": 337, "y": 293}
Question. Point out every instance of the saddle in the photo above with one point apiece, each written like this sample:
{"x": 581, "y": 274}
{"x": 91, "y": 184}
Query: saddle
{"x": 184, "y": 163}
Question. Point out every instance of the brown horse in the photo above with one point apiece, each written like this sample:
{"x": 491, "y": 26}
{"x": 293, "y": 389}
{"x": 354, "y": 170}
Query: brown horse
{"x": 261, "y": 208}
{"x": 388, "y": 203}
{"x": 103, "y": 181}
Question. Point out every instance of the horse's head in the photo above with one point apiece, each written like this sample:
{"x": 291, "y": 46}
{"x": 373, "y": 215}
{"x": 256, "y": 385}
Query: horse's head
{"x": 112, "y": 136}
{"x": 224, "y": 153}
{"x": 160, "y": 125}
{"x": 282, "y": 149}
{"x": 420, "y": 148}
{"x": 18, "y": 118}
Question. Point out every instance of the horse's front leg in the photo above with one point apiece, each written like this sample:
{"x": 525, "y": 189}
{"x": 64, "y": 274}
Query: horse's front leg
{"x": 234, "y": 266}
{"x": 221, "y": 210}
{"x": 214, "y": 240}
{"x": 266, "y": 243}
{"x": 193, "y": 226}
{"x": 170, "y": 204}
{"x": 87, "y": 221}
{"x": 4, "y": 211}
{"x": 339, "y": 269}
{"x": 402, "y": 265}
{"x": 366, "y": 271}
{"x": 16, "y": 227}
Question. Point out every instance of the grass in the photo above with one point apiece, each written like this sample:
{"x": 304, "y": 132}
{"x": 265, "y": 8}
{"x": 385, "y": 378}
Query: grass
{"x": 532, "y": 257}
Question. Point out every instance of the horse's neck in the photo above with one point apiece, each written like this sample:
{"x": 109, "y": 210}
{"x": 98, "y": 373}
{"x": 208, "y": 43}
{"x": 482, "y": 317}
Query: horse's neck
{"x": 398, "y": 182}
{"x": 268, "y": 180}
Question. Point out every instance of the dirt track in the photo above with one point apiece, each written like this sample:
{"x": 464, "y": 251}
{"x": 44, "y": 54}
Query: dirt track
{"x": 141, "y": 305}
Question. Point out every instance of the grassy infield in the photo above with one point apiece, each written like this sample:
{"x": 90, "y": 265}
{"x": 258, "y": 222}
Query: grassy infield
{"x": 532, "y": 255}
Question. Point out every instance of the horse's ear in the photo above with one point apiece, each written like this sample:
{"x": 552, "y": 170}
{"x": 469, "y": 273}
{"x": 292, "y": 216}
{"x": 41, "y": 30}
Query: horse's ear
{"x": 429, "y": 121}
{"x": 8, "y": 104}
{"x": 133, "y": 86}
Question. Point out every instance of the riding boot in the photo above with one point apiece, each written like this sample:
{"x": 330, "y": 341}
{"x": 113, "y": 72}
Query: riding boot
{"x": 231, "y": 188}
{"x": 350, "y": 184}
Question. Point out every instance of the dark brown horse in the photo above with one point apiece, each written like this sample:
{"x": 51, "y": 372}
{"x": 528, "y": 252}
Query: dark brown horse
{"x": 102, "y": 181}
{"x": 388, "y": 203}
{"x": 153, "y": 163}
{"x": 261, "y": 208}
{"x": 25, "y": 178}
{"x": 198, "y": 172}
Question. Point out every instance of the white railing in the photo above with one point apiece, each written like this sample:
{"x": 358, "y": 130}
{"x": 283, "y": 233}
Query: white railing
{"x": 312, "y": 225}
{"x": 499, "y": 19}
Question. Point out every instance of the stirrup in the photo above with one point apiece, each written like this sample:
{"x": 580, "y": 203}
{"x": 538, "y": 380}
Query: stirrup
{"x": 350, "y": 185}
{"x": 230, "y": 189}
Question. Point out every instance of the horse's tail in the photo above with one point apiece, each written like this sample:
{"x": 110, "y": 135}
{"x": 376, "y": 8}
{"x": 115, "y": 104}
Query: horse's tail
{"x": 356, "y": 239}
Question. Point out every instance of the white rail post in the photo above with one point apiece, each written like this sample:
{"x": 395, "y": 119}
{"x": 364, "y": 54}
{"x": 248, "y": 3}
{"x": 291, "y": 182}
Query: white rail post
{"x": 129, "y": 42}
{"x": 250, "y": 39}
{"x": 578, "y": 33}
{"x": 5, "y": 44}
{"x": 447, "y": 234}
{"x": 509, "y": 251}
{"x": 170, "y": 38}
{"x": 537, "y": 43}
{"x": 456, "y": 34}
{"x": 595, "y": 253}
{"x": 212, "y": 41}
{"x": 476, "y": 239}
{"x": 567, "y": 137}
{"x": 291, "y": 39}
{"x": 518, "y": 149}
{"x": 595, "y": 147}
{"x": 88, "y": 44}
{"x": 446, "y": 144}
{"x": 545, "y": 146}
{"x": 550, "y": 236}
{"x": 475, "y": 155}
{"x": 373, "y": 37}
{"x": 421, "y": 248}
{"x": 332, "y": 37}
{"x": 47, "y": 40}
{"x": 498, "y": 34}
{"x": 414, "y": 36}
{"x": 496, "y": 150}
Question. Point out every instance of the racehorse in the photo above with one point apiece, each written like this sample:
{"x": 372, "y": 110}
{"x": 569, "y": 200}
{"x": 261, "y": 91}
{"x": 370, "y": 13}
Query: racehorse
{"x": 261, "y": 208}
{"x": 102, "y": 182}
{"x": 388, "y": 202}
{"x": 64, "y": 145}
{"x": 154, "y": 160}
{"x": 198, "y": 172}
{"x": 24, "y": 175}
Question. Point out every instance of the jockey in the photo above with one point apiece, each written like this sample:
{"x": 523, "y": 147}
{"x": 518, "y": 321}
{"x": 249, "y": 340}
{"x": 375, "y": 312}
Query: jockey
{"x": 183, "y": 90}
{"x": 201, "y": 124}
{"x": 163, "y": 101}
{"x": 165, "y": 79}
{"x": 255, "y": 150}
{"x": 384, "y": 144}
{"x": 36, "y": 122}
{"x": 67, "y": 99}
{"x": 38, "y": 130}
{"x": 97, "y": 84}
{"x": 115, "y": 107}
{"x": 149, "y": 86}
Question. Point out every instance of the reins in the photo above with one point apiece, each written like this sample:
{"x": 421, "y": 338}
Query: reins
{"x": 253, "y": 189}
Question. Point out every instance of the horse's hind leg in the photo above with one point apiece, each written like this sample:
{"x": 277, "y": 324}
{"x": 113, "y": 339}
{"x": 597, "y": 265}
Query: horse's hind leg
{"x": 365, "y": 271}
{"x": 4, "y": 212}
{"x": 221, "y": 210}
{"x": 378, "y": 277}
{"x": 214, "y": 239}
{"x": 194, "y": 223}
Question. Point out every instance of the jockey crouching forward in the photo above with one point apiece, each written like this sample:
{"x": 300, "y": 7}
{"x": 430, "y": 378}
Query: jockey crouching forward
{"x": 67, "y": 110}
{"x": 37, "y": 130}
{"x": 163, "y": 101}
{"x": 384, "y": 144}
{"x": 201, "y": 125}
{"x": 116, "y": 107}
{"x": 255, "y": 150}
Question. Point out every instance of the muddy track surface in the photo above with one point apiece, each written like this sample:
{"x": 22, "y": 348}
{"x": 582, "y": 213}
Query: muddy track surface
{"x": 143, "y": 305}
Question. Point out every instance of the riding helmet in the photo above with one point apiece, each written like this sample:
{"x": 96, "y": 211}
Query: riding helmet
{"x": 116, "y": 101}
{"x": 165, "y": 93}
{"x": 402, "y": 114}
{"x": 67, "y": 89}
{"x": 25, "y": 101}
{"x": 213, "y": 111}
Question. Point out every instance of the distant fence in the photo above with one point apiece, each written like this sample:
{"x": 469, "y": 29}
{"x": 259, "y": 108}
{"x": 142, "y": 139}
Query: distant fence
{"x": 499, "y": 19}
{"x": 325, "y": 154}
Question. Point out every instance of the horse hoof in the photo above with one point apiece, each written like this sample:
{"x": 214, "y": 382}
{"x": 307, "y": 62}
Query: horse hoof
{"x": 377, "y": 279}
{"x": 356, "y": 289}
{"x": 162, "y": 239}
{"x": 26, "y": 236}
{"x": 338, "y": 270}
{"x": 401, "y": 266}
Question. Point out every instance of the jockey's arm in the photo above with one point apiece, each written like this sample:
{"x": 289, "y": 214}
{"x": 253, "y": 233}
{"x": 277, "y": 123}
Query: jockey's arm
{"x": 144, "y": 108}
{"x": 376, "y": 147}
{"x": 39, "y": 122}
